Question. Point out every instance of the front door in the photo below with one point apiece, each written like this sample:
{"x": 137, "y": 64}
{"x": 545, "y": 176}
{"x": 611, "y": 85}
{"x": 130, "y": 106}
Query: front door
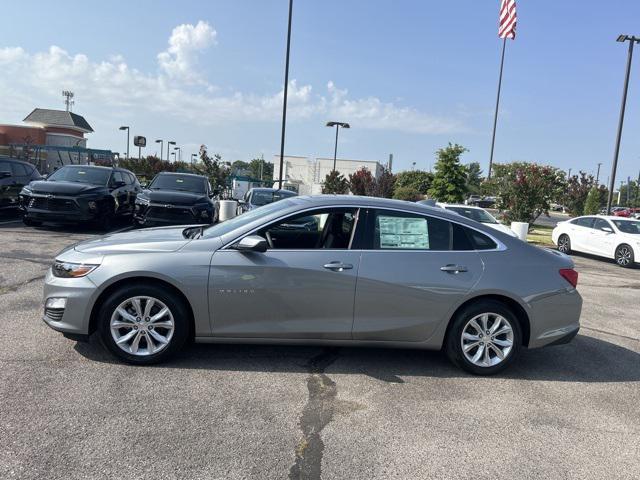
{"x": 302, "y": 287}
{"x": 417, "y": 270}
{"x": 601, "y": 242}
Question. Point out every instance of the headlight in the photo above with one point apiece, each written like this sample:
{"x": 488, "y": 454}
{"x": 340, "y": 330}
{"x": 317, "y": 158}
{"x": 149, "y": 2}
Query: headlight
{"x": 71, "y": 270}
{"x": 92, "y": 205}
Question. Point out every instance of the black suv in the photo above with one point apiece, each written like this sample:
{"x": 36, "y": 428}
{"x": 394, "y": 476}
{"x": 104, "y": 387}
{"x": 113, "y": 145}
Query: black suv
{"x": 14, "y": 174}
{"x": 175, "y": 199}
{"x": 80, "y": 193}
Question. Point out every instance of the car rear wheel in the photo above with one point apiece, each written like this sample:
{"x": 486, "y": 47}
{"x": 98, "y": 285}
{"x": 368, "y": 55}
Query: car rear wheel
{"x": 484, "y": 338}
{"x": 564, "y": 244}
{"x": 624, "y": 256}
{"x": 143, "y": 325}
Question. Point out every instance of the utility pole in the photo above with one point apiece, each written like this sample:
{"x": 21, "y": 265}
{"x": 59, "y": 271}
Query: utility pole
{"x": 286, "y": 88}
{"x": 632, "y": 41}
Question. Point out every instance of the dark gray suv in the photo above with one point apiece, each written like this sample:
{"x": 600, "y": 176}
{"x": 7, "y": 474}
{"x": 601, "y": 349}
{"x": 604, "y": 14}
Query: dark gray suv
{"x": 14, "y": 174}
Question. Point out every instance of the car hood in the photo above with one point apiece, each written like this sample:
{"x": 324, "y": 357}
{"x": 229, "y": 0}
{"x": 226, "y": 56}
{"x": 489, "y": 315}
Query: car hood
{"x": 162, "y": 239}
{"x": 65, "y": 188}
{"x": 174, "y": 197}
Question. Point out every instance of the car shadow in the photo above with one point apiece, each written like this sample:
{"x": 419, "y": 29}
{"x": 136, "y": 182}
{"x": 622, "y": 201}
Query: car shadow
{"x": 609, "y": 261}
{"x": 585, "y": 359}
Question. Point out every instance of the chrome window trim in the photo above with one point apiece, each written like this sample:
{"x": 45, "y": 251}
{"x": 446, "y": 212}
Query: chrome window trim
{"x": 499, "y": 248}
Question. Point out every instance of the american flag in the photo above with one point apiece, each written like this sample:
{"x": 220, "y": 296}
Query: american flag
{"x": 507, "y": 27}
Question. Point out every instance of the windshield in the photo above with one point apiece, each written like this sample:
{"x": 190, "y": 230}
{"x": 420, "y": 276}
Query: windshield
{"x": 264, "y": 197}
{"x": 91, "y": 175}
{"x": 628, "y": 226}
{"x": 476, "y": 214}
{"x": 241, "y": 220}
{"x": 184, "y": 183}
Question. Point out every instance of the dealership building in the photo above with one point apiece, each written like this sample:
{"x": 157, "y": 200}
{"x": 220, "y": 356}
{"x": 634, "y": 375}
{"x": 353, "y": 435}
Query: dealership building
{"x": 50, "y": 139}
{"x": 306, "y": 175}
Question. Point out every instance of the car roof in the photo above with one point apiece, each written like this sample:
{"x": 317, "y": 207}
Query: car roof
{"x": 268, "y": 189}
{"x": 183, "y": 174}
{"x": 4, "y": 158}
{"x": 460, "y": 205}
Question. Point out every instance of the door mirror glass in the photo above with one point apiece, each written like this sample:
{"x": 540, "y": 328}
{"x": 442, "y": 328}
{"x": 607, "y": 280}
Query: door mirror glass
{"x": 252, "y": 243}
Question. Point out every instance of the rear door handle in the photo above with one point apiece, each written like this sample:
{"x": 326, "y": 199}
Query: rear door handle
{"x": 454, "y": 268}
{"x": 338, "y": 266}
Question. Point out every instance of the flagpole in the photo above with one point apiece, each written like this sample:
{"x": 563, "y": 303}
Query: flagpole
{"x": 495, "y": 116}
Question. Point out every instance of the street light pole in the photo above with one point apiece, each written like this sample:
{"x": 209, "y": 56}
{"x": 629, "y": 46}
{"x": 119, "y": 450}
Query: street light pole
{"x": 284, "y": 103}
{"x": 335, "y": 149}
{"x": 161, "y": 142}
{"x": 127, "y": 129}
{"x": 598, "y": 175}
{"x": 179, "y": 153}
{"x": 169, "y": 143}
{"x": 632, "y": 41}
{"x": 193, "y": 155}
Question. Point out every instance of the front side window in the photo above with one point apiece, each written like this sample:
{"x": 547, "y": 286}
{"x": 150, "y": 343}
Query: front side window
{"x": 476, "y": 214}
{"x": 601, "y": 223}
{"x": 19, "y": 170}
{"x": 325, "y": 228}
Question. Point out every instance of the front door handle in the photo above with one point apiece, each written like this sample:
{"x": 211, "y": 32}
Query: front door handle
{"x": 338, "y": 266}
{"x": 454, "y": 268}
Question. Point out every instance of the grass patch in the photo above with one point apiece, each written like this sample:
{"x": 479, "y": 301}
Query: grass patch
{"x": 540, "y": 235}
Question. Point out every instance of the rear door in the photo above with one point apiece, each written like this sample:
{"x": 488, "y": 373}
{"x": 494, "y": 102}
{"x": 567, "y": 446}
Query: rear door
{"x": 416, "y": 269}
{"x": 303, "y": 286}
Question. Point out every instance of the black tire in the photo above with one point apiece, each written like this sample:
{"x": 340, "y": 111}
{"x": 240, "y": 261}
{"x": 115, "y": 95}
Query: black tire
{"x": 105, "y": 223}
{"x": 453, "y": 342}
{"x": 30, "y": 223}
{"x": 176, "y": 306}
{"x": 624, "y": 256}
{"x": 564, "y": 244}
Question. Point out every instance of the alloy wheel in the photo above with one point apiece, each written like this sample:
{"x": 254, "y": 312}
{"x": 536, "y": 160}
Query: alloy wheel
{"x": 142, "y": 326}
{"x": 623, "y": 256}
{"x": 563, "y": 244}
{"x": 487, "y": 339}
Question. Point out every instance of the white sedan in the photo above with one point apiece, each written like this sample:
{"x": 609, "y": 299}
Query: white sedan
{"x": 610, "y": 237}
{"x": 479, "y": 215}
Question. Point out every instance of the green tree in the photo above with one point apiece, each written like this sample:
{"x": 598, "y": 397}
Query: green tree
{"x": 450, "y": 178}
{"x": 362, "y": 182}
{"x": 592, "y": 204}
{"x": 335, "y": 183}
{"x": 260, "y": 169}
{"x": 419, "y": 180}
{"x": 409, "y": 194}
{"x": 525, "y": 190}
{"x": 212, "y": 168}
{"x": 474, "y": 178}
{"x": 385, "y": 184}
{"x": 578, "y": 187}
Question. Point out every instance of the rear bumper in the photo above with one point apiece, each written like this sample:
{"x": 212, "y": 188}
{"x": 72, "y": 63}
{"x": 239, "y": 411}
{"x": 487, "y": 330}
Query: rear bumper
{"x": 555, "y": 318}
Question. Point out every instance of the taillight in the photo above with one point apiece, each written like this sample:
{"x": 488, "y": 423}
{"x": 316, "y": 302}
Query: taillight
{"x": 570, "y": 275}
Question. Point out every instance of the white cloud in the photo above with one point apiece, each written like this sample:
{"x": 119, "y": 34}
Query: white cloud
{"x": 186, "y": 41}
{"x": 179, "y": 91}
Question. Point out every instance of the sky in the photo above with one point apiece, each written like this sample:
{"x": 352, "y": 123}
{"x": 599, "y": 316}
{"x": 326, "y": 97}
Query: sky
{"x": 409, "y": 76}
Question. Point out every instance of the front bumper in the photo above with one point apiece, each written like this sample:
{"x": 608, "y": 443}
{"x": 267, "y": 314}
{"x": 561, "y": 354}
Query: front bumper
{"x": 60, "y": 209}
{"x": 159, "y": 215}
{"x": 79, "y": 294}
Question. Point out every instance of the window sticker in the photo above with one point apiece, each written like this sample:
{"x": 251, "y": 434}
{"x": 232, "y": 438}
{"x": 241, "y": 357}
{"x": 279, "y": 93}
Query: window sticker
{"x": 398, "y": 232}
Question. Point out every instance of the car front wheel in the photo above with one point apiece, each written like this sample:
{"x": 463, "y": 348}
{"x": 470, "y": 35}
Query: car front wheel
{"x": 624, "y": 256}
{"x": 484, "y": 338}
{"x": 143, "y": 325}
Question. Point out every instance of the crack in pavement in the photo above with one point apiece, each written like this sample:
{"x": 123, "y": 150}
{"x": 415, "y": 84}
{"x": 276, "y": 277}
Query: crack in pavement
{"x": 319, "y": 411}
{"x": 15, "y": 287}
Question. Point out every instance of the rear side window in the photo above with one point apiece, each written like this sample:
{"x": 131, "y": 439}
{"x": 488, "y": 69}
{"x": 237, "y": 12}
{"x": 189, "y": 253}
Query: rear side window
{"x": 583, "y": 222}
{"x": 480, "y": 241}
{"x": 5, "y": 167}
{"x": 406, "y": 231}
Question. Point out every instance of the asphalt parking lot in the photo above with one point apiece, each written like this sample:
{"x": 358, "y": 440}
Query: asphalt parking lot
{"x": 233, "y": 412}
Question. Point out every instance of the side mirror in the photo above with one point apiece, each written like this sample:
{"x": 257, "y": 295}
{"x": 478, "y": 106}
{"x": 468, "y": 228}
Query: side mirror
{"x": 117, "y": 184}
{"x": 5, "y": 174}
{"x": 607, "y": 229}
{"x": 252, "y": 243}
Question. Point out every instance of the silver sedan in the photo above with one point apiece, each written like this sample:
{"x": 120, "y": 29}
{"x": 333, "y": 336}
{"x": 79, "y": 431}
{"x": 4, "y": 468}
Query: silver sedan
{"x": 325, "y": 270}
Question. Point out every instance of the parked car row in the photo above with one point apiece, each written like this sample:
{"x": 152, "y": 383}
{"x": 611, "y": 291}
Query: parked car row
{"x": 99, "y": 195}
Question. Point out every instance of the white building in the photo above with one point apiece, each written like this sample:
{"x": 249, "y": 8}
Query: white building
{"x": 307, "y": 174}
